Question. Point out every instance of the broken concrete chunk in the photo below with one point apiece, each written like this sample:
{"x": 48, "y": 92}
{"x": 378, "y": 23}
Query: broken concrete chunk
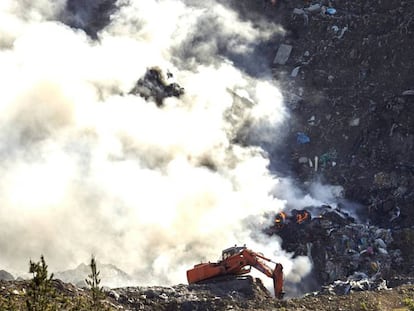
{"x": 282, "y": 54}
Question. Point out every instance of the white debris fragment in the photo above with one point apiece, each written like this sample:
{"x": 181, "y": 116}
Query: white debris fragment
{"x": 163, "y": 296}
{"x": 314, "y": 8}
{"x": 408, "y": 93}
{"x": 295, "y": 72}
{"x": 354, "y": 122}
{"x": 298, "y": 11}
{"x": 342, "y": 32}
{"x": 282, "y": 54}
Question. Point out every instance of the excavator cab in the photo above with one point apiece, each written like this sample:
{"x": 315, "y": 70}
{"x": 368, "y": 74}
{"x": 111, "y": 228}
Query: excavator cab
{"x": 228, "y": 252}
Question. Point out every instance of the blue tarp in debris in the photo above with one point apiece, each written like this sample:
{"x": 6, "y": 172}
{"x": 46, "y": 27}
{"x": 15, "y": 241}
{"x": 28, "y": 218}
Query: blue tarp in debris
{"x": 302, "y": 138}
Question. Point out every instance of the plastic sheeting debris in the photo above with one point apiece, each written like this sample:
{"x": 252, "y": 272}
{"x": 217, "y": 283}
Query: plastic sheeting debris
{"x": 302, "y": 138}
{"x": 330, "y": 11}
{"x": 282, "y": 54}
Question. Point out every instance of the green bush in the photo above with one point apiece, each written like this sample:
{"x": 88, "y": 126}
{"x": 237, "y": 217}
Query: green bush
{"x": 409, "y": 302}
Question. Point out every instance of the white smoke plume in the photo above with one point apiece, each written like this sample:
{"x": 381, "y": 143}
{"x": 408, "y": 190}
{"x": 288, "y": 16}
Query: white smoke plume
{"x": 88, "y": 170}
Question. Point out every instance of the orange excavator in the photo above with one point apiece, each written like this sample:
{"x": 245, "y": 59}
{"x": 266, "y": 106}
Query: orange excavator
{"x": 237, "y": 261}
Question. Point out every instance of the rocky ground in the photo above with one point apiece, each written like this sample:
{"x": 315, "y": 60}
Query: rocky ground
{"x": 348, "y": 82}
{"x": 242, "y": 294}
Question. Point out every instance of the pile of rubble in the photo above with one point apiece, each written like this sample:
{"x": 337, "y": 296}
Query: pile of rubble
{"x": 345, "y": 254}
{"x": 154, "y": 87}
{"x": 344, "y": 69}
{"x": 241, "y": 292}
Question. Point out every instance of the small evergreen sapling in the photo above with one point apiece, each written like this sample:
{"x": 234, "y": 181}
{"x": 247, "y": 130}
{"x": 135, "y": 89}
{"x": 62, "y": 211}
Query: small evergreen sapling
{"x": 40, "y": 293}
{"x": 93, "y": 282}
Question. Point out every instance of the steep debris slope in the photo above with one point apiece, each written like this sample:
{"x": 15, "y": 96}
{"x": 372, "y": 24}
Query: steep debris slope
{"x": 345, "y": 70}
{"x": 347, "y": 256}
{"x": 347, "y": 77}
{"x": 351, "y": 87}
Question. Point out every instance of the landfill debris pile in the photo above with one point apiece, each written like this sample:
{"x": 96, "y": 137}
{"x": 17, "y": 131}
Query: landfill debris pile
{"x": 153, "y": 87}
{"x": 341, "y": 249}
{"x": 359, "y": 281}
{"x": 345, "y": 71}
{"x": 239, "y": 292}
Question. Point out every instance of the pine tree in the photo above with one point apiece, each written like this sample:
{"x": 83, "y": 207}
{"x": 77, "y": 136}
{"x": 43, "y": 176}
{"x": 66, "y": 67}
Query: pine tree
{"x": 40, "y": 293}
{"x": 93, "y": 282}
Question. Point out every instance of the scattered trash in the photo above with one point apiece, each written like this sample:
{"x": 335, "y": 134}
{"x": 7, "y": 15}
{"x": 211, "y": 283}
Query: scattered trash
{"x": 303, "y": 13}
{"x": 298, "y": 11}
{"x": 15, "y": 292}
{"x": 314, "y": 8}
{"x": 295, "y": 72}
{"x": 282, "y": 54}
{"x": 335, "y": 28}
{"x": 303, "y": 160}
{"x": 347, "y": 255}
{"x": 302, "y": 138}
{"x": 393, "y": 127}
{"x": 316, "y": 163}
{"x": 342, "y": 32}
{"x": 312, "y": 121}
{"x": 395, "y": 213}
{"x": 292, "y": 100}
{"x": 328, "y": 157}
{"x": 408, "y": 93}
{"x": 359, "y": 281}
{"x": 330, "y": 11}
{"x": 354, "y": 122}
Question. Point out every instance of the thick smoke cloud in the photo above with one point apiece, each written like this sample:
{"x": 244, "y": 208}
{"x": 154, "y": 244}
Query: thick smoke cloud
{"x": 88, "y": 170}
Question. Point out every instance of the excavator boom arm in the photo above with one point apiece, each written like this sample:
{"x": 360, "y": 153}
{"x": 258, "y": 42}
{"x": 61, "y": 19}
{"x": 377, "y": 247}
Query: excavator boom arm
{"x": 256, "y": 261}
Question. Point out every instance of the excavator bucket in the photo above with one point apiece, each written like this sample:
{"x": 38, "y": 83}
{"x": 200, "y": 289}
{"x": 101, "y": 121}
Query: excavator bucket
{"x": 278, "y": 281}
